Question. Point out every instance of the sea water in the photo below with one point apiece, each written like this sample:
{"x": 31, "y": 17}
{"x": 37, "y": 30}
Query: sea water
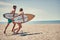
{"x": 39, "y": 22}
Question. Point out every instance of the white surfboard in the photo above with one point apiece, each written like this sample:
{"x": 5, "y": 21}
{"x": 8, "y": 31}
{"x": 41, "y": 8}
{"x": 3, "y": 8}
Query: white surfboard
{"x": 27, "y": 17}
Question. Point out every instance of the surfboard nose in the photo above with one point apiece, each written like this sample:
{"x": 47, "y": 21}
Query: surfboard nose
{"x": 3, "y": 15}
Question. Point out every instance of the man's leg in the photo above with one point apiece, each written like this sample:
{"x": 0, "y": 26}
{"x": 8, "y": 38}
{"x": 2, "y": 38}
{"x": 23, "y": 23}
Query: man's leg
{"x": 6, "y": 28}
{"x": 13, "y": 26}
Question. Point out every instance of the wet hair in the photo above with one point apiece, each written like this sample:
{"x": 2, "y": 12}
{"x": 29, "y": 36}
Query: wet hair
{"x": 21, "y": 9}
{"x": 14, "y": 6}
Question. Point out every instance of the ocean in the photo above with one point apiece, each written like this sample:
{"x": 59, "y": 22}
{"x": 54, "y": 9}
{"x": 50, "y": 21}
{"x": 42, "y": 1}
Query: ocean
{"x": 40, "y": 22}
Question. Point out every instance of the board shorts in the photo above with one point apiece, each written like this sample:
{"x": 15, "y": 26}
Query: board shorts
{"x": 9, "y": 20}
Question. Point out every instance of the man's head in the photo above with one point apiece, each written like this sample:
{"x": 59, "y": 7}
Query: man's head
{"x": 14, "y": 6}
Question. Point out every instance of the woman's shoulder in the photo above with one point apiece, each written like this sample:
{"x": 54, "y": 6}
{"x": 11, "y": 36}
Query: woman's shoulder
{"x": 21, "y": 12}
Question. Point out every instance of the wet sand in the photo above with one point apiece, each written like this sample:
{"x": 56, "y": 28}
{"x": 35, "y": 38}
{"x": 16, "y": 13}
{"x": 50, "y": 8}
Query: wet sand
{"x": 32, "y": 32}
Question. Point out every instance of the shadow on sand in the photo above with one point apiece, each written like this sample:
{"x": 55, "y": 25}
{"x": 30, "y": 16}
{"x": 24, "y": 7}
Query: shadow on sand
{"x": 27, "y": 33}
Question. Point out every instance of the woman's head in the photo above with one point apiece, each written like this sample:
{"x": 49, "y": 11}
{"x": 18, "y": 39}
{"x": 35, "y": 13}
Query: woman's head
{"x": 14, "y": 6}
{"x": 21, "y": 9}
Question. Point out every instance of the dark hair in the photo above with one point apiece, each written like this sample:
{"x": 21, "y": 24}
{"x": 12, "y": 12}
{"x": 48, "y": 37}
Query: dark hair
{"x": 14, "y": 6}
{"x": 21, "y": 9}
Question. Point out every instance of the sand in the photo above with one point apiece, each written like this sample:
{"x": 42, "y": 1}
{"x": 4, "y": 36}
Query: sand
{"x": 32, "y": 32}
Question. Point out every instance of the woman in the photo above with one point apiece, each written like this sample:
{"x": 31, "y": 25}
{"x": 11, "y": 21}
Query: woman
{"x": 21, "y": 13}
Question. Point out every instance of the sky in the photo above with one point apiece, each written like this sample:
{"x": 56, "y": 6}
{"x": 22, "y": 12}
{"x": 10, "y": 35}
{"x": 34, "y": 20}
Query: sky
{"x": 44, "y": 10}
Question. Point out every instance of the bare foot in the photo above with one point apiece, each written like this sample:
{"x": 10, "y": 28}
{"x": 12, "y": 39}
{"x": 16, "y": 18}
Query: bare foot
{"x": 4, "y": 32}
{"x": 14, "y": 30}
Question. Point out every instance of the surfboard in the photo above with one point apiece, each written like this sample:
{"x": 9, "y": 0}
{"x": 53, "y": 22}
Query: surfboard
{"x": 17, "y": 19}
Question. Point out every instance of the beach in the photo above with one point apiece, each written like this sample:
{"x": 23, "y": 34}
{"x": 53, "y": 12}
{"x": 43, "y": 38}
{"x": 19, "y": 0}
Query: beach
{"x": 32, "y": 32}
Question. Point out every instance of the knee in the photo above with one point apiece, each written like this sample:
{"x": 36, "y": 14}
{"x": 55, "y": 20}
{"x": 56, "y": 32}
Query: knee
{"x": 14, "y": 23}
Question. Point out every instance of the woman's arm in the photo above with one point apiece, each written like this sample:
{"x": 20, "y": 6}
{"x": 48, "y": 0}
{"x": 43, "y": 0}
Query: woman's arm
{"x": 23, "y": 16}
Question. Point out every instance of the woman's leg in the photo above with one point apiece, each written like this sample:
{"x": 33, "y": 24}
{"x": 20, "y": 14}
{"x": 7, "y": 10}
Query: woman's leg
{"x": 20, "y": 26}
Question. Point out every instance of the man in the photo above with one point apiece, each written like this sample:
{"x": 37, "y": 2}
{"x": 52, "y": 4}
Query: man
{"x": 9, "y": 20}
